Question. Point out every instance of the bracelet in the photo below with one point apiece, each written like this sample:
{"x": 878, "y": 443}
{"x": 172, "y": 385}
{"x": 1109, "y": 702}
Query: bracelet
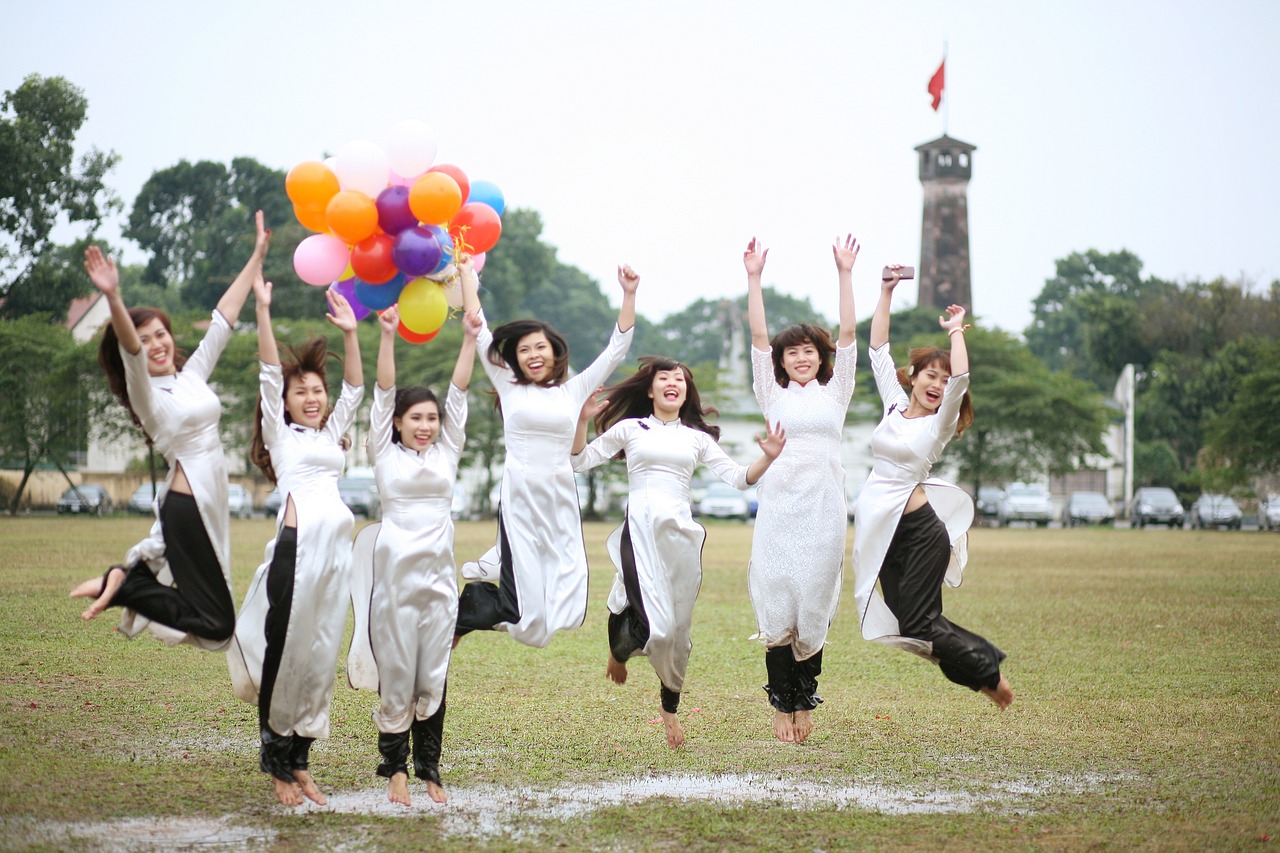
{"x": 953, "y": 331}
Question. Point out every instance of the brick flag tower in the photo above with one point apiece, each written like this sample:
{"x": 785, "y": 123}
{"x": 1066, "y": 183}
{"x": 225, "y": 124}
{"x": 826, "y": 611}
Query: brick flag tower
{"x": 945, "y": 167}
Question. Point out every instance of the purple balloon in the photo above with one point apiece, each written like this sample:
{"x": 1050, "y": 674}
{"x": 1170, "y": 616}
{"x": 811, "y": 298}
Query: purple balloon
{"x": 379, "y": 297}
{"x": 347, "y": 289}
{"x": 416, "y": 251}
{"x": 394, "y": 214}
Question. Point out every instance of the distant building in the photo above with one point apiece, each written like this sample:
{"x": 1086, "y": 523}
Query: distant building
{"x": 946, "y": 165}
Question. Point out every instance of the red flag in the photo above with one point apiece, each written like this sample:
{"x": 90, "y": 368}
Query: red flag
{"x": 936, "y": 83}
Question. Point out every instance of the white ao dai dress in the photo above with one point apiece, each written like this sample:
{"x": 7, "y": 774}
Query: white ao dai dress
{"x": 308, "y": 463}
{"x": 404, "y": 585}
{"x": 665, "y": 540}
{"x": 797, "y": 548}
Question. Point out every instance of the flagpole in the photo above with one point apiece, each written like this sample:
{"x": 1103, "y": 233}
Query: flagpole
{"x": 946, "y": 98}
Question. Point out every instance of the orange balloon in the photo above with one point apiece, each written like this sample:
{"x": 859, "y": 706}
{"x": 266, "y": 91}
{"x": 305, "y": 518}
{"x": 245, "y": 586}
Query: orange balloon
{"x": 312, "y": 218}
{"x": 435, "y": 198}
{"x": 458, "y": 175}
{"x": 352, "y": 216}
{"x": 476, "y": 228}
{"x": 415, "y": 338}
{"x": 311, "y": 184}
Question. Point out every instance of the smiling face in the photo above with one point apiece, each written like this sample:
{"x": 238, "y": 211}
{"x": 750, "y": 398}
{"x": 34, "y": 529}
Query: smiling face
{"x": 419, "y": 425}
{"x": 535, "y": 357}
{"x": 158, "y": 346}
{"x": 669, "y": 390}
{"x": 306, "y": 400}
{"x": 801, "y": 362}
{"x": 927, "y": 386}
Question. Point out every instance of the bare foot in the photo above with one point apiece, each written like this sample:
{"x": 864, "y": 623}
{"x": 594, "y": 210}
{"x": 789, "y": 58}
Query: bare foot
{"x": 675, "y": 731}
{"x": 309, "y": 788}
{"x": 398, "y": 789}
{"x": 288, "y": 793}
{"x": 102, "y": 590}
{"x": 436, "y": 793}
{"x": 803, "y": 725}
{"x": 1002, "y": 695}
{"x": 784, "y": 728}
{"x": 616, "y": 670}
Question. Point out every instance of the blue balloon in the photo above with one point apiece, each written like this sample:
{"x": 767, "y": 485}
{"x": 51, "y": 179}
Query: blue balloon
{"x": 446, "y": 247}
{"x": 379, "y": 297}
{"x": 487, "y": 192}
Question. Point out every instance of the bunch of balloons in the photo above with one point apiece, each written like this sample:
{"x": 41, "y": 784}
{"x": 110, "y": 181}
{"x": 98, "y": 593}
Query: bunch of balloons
{"x": 389, "y": 222}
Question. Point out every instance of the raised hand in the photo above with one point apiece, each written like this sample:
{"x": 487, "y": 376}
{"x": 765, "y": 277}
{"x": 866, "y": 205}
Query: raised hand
{"x": 472, "y": 324}
{"x": 773, "y": 442}
{"x": 754, "y": 257}
{"x": 628, "y": 278}
{"x": 892, "y": 281}
{"x": 102, "y": 271}
{"x": 845, "y": 252}
{"x": 261, "y": 290}
{"x": 592, "y": 406}
{"x": 954, "y": 319}
{"x": 340, "y": 313}
{"x": 262, "y": 239}
{"x": 389, "y": 320}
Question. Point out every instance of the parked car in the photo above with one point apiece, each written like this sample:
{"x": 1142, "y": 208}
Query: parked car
{"x": 1215, "y": 511}
{"x": 1024, "y": 502}
{"x": 141, "y": 499}
{"x": 723, "y": 501}
{"x": 359, "y": 491}
{"x": 1087, "y": 508}
{"x": 1269, "y": 513}
{"x": 988, "y": 503}
{"x": 460, "y": 505}
{"x": 1155, "y": 505}
{"x": 85, "y": 499}
{"x": 272, "y": 504}
{"x": 239, "y": 501}
{"x": 752, "y": 494}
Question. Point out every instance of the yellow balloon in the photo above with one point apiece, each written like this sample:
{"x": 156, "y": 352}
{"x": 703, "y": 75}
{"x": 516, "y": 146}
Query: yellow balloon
{"x": 423, "y": 306}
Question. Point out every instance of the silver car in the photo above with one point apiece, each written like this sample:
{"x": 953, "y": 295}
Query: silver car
{"x": 239, "y": 501}
{"x": 1269, "y": 513}
{"x": 1215, "y": 511}
{"x": 1024, "y": 502}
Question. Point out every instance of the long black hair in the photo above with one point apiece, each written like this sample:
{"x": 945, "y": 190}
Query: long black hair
{"x": 112, "y": 363}
{"x": 630, "y": 397}
{"x": 506, "y": 338}
{"x": 309, "y": 358}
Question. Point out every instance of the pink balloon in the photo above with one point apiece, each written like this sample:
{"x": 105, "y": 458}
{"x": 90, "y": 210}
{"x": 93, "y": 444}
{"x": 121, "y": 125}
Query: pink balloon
{"x": 477, "y": 261}
{"x": 321, "y": 259}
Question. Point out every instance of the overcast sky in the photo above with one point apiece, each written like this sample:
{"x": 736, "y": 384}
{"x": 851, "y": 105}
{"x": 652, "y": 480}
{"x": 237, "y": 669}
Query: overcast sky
{"x": 665, "y": 134}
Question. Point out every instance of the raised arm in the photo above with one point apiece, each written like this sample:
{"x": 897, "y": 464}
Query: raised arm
{"x": 630, "y": 281}
{"x": 106, "y": 278}
{"x": 954, "y": 325}
{"x": 880, "y": 319}
{"x": 753, "y": 259}
{"x": 389, "y": 323}
{"x": 471, "y": 325}
{"x": 846, "y": 252}
{"x": 770, "y": 446}
{"x": 268, "y": 353}
{"x": 592, "y": 407}
{"x": 233, "y": 300}
{"x": 341, "y": 315}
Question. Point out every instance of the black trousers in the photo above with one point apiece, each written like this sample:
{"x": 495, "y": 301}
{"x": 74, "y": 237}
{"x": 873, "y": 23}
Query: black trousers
{"x": 428, "y": 742}
{"x": 199, "y": 601}
{"x": 279, "y": 755}
{"x": 629, "y": 630}
{"x": 793, "y": 684}
{"x": 482, "y": 605}
{"x": 911, "y": 581}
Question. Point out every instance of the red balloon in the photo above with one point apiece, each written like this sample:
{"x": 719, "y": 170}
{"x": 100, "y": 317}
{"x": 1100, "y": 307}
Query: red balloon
{"x": 415, "y": 338}
{"x": 371, "y": 259}
{"x": 458, "y": 175}
{"x": 476, "y": 228}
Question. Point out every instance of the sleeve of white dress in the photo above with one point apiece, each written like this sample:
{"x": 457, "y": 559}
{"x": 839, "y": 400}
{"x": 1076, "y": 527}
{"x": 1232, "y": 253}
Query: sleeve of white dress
{"x": 604, "y": 448}
{"x": 271, "y": 387}
{"x": 210, "y": 350}
{"x": 887, "y": 379}
{"x": 381, "y": 414}
{"x": 580, "y": 386}
{"x": 454, "y": 432}
{"x": 344, "y": 411}
{"x": 713, "y": 456}
{"x": 138, "y": 382}
{"x": 763, "y": 382}
{"x": 843, "y": 374}
{"x": 499, "y": 374}
{"x": 944, "y": 424}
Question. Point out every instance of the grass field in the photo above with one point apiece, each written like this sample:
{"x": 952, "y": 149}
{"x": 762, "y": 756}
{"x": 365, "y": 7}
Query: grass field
{"x": 1146, "y": 666}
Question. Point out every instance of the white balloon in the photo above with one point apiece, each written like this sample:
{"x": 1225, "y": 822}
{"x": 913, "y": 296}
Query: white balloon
{"x": 453, "y": 295}
{"x": 411, "y": 148}
{"x": 362, "y": 165}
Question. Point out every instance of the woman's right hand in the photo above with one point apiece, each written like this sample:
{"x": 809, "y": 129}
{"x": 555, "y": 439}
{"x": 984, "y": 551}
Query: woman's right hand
{"x": 754, "y": 257}
{"x": 102, "y": 271}
{"x": 389, "y": 320}
{"x": 892, "y": 281}
{"x": 261, "y": 290}
{"x": 263, "y": 238}
{"x": 592, "y": 406}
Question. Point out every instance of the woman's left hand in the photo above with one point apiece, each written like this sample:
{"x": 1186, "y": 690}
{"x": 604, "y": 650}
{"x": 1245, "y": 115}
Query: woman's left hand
{"x": 472, "y": 324}
{"x": 845, "y": 252}
{"x": 628, "y": 278}
{"x": 773, "y": 442}
{"x": 340, "y": 312}
{"x": 953, "y": 320}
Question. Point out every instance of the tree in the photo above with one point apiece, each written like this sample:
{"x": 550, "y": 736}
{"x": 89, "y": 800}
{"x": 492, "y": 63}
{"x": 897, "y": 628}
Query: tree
{"x": 41, "y": 185}
{"x": 47, "y": 386}
{"x": 1245, "y": 434}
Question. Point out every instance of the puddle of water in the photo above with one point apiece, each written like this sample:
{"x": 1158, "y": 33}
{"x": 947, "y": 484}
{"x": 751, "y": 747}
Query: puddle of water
{"x": 134, "y": 835}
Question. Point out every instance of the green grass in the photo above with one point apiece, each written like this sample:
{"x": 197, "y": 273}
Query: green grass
{"x": 1147, "y": 715}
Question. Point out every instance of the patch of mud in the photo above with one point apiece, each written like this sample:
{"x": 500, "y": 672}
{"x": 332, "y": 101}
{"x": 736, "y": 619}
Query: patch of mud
{"x": 516, "y": 812}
